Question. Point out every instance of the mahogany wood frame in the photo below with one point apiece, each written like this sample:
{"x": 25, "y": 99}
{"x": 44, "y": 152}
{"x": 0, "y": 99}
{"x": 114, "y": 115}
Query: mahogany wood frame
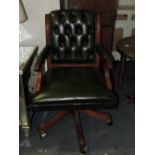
{"x": 76, "y": 113}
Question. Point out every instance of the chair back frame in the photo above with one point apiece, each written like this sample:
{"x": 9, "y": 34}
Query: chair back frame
{"x": 98, "y": 41}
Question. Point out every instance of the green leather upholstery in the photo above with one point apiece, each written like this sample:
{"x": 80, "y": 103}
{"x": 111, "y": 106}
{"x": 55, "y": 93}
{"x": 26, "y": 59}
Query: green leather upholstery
{"x": 73, "y": 88}
{"x": 72, "y": 41}
{"x": 72, "y": 36}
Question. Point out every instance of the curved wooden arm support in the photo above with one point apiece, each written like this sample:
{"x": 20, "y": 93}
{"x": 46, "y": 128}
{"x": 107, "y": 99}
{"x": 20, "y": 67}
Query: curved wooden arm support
{"x": 105, "y": 56}
{"x": 41, "y": 58}
{"x": 108, "y": 79}
{"x": 38, "y": 81}
{"x": 38, "y": 66}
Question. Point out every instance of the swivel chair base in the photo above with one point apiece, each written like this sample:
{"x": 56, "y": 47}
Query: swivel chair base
{"x": 42, "y": 129}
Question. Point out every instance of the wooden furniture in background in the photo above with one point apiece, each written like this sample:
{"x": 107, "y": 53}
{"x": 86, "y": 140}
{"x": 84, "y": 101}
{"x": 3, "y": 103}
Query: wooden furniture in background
{"x": 126, "y": 47}
{"x": 107, "y": 9}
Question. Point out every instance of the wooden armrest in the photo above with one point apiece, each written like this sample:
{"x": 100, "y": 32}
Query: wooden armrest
{"x": 38, "y": 81}
{"x": 41, "y": 58}
{"x": 107, "y": 64}
{"x": 105, "y": 56}
{"x": 108, "y": 79}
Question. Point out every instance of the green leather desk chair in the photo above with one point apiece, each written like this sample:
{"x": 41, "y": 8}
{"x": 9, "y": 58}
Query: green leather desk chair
{"x": 74, "y": 82}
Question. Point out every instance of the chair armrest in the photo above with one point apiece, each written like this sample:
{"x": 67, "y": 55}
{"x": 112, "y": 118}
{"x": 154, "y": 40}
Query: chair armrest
{"x": 38, "y": 81}
{"x": 105, "y": 56}
{"x": 106, "y": 59}
{"x": 38, "y": 67}
{"x": 41, "y": 58}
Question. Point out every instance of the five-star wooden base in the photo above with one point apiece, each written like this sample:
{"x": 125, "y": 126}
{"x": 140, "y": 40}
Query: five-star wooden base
{"x": 42, "y": 129}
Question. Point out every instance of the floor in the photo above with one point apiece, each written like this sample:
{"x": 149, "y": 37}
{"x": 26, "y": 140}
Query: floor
{"x": 118, "y": 139}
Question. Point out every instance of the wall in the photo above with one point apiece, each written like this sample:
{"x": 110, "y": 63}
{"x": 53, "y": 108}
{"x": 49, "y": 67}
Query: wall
{"x": 32, "y": 32}
{"x": 126, "y": 2}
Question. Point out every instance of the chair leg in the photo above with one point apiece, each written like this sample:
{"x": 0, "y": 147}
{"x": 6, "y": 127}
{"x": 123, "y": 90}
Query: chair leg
{"x": 80, "y": 135}
{"x": 52, "y": 121}
{"x": 99, "y": 115}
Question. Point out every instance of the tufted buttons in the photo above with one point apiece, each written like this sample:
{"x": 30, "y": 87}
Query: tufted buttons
{"x": 84, "y": 18}
{"x": 90, "y": 29}
{"x": 73, "y": 18}
{"x": 85, "y": 41}
{"x": 73, "y": 42}
{"x": 61, "y": 41}
{"x": 61, "y": 18}
{"x": 78, "y": 29}
{"x": 67, "y": 29}
{"x": 73, "y": 36}
{"x": 56, "y": 29}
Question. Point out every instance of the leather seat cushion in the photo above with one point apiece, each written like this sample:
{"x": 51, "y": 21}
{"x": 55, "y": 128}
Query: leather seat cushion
{"x": 73, "y": 88}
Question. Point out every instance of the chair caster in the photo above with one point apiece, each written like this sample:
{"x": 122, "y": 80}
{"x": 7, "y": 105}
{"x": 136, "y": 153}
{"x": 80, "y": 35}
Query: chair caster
{"x": 110, "y": 123}
{"x": 43, "y": 135}
{"x": 84, "y": 150}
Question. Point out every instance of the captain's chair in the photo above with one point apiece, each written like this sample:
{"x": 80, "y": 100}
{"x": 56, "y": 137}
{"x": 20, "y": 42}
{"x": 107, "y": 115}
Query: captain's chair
{"x": 78, "y": 79}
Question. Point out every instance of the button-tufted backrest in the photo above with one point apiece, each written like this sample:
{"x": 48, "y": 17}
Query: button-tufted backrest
{"x": 72, "y": 36}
